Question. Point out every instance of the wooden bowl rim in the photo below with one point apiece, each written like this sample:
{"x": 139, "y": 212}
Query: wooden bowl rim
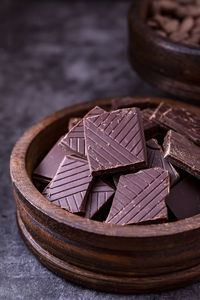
{"x": 135, "y": 19}
{"x": 24, "y": 184}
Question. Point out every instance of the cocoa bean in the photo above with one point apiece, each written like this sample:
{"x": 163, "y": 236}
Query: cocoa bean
{"x": 187, "y": 24}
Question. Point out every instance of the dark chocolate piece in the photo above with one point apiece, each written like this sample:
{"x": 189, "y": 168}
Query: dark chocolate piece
{"x": 147, "y": 113}
{"x": 182, "y": 153}
{"x": 116, "y": 179}
{"x": 73, "y": 122}
{"x": 156, "y": 159}
{"x": 140, "y": 198}
{"x": 161, "y": 109}
{"x": 70, "y": 186}
{"x": 180, "y": 120}
{"x": 127, "y": 102}
{"x": 50, "y": 163}
{"x": 74, "y": 140}
{"x": 115, "y": 141}
{"x": 184, "y": 198}
{"x": 98, "y": 198}
{"x": 151, "y": 128}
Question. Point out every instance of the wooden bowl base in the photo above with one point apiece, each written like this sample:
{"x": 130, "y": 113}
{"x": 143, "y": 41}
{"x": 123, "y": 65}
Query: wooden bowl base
{"x": 101, "y": 282}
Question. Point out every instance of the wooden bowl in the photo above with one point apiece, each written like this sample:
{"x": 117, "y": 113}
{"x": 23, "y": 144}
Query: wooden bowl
{"x": 106, "y": 257}
{"x": 171, "y": 66}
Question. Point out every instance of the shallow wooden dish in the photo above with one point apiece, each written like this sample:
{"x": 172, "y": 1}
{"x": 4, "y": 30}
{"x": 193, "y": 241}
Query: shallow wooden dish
{"x": 113, "y": 258}
{"x": 171, "y": 66}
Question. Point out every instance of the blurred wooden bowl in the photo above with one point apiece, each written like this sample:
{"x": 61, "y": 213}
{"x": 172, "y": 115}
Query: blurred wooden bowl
{"x": 106, "y": 257}
{"x": 171, "y": 66}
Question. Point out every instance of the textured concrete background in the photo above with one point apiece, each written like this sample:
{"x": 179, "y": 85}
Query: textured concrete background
{"x": 54, "y": 54}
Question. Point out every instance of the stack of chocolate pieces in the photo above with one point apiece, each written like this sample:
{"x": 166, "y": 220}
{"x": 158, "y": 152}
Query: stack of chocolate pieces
{"x": 126, "y": 166}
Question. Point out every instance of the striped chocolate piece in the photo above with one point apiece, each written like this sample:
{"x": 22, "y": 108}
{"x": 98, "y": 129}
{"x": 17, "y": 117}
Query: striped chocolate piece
{"x": 161, "y": 109}
{"x": 115, "y": 141}
{"x": 98, "y": 198}
{"x": 70, "y": 186}
{"x": 182, "y": 153}
{"x": 140, "y": 198}
{"x": 180, "y": 120}
{"x": 73, "y": 122}
{"x": 74, "y": 140}
{"x": 156, "y": 158}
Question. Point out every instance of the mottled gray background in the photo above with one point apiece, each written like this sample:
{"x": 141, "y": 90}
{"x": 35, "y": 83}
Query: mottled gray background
{"x": 54, "y": 54}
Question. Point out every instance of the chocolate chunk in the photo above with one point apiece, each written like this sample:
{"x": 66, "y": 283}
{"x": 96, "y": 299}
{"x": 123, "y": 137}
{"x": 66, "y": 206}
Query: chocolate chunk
{"x": 162, "y": 108}
{"x": 184, "y": 198}
{"x": 98, "y": 198}
{"x": 151, "y": 128}
{"x": 127, "y": 102}
{"x": 115, "y": 141}
{"x": 182, "y": 153}
{"x": 70, "y": 186}
{"x": 116, "y": 179}
{"x": 74, "y": 139}
{"x": 140, "y": 198}
{"x": 180, "y": 120}
{"x": 156, "y": 159}
{"x": 50, "y": 163}
{"x": 73, "y": 122}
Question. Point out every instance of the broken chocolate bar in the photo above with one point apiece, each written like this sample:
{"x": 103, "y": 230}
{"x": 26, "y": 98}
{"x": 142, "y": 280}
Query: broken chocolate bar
{"x": 178, "y": 119}
{"x": 162, "y": 108}
{"x": 151, "y": 128}
{"x": 50, "y": 163}
{"x": 98, "y": 198}
{"x": 70, "y": 186}
{"x": 156, "y": 159}
{"x": 74, "y": 140}
{"x": 182, "y": 153}
{"x": 127, "y": 102}
{"x": 115, "y": 141}
{"x": 73, "y": 122}
{"x": 184, "y": 198}
{"x": 140, "y": 198}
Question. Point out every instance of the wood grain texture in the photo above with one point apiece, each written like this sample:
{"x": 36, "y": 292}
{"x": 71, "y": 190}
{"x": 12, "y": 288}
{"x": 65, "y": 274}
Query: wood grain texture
{"x": 180, "y": 76}
{"x": 107, "y": 257}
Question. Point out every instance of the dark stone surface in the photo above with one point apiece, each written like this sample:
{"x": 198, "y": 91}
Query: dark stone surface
{"x": 54, "y": 54}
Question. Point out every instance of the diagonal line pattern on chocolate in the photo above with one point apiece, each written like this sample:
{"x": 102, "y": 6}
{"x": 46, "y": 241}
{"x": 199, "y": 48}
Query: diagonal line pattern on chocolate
{"x": 143, "y": 205}
{"x": 74, "y": 140}
{"x": 110, "y": 147}
{"x": 98, "y": 197}
{"x": 70, "y": 185}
